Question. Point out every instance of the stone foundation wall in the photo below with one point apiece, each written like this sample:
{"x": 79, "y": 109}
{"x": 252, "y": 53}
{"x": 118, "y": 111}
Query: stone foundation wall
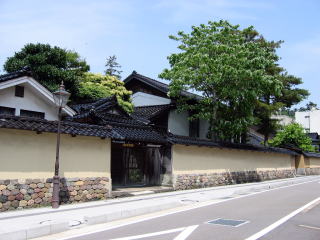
{"x": 191, "y": 181}
{"x": 30, "y": 193}
{"x": 312, "y": 171}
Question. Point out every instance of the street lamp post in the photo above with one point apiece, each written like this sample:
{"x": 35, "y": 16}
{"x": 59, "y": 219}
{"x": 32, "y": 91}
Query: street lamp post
{"x": 60, "y": 98}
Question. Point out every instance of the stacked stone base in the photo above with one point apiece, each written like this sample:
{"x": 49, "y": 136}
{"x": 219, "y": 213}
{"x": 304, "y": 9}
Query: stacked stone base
{"x": 30, "y": 193}
{"x": 191, "y": 181}
{"x": 312, "y": 171}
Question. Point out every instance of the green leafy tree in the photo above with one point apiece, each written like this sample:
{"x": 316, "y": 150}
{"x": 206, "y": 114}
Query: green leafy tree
{"x": 270, "y": 103}
{"x": 293, "y": 134}
{"x": 228, "y": 66}
{"x": 96, "y": 86}
{"x": 308, "y": 107}
{"x": 50, "y": 65}
{"x": 113, "y": 67}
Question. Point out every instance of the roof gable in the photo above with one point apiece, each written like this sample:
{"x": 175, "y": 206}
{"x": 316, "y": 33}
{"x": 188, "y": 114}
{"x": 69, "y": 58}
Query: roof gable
{"x": 156, "y": 85}
{"x": 21, "y": 77}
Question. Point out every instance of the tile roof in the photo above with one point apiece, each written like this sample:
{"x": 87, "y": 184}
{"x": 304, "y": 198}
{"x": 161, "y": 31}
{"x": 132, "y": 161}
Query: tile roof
{"x": 184, "y": 140}
{"x": 13, "y": 75}
{"x": 126, "y": 126}
{"x": 149, "y": 112}
{"x": 98, "y": 104}
{"x": 73, "y": 128}
{"x": 311, "y": 154}
{"x": 162, "y": 87}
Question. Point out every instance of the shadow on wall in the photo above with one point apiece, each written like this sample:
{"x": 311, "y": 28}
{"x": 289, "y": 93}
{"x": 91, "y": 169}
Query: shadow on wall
{"x": 64, "y": 192}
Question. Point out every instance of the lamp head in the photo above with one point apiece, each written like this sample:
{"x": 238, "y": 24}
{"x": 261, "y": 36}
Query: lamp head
{"x": 61, "y": 96}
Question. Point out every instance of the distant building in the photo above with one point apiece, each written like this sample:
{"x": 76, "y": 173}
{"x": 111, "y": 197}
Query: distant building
{"x": 310, "y": 120}
{"x": 284, "y": 120}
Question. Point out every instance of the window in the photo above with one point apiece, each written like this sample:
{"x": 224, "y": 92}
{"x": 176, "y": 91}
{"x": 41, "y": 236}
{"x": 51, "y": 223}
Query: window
{"x": 27, "y": 113}
{"x": 7, "y": 110}
{"x": 194, "y": 128}
{"x": 19, "y": 91}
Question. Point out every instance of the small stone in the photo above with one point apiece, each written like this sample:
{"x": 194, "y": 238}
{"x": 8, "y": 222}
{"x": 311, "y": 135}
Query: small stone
{"x": 44, "y": 190}
{"x": 19, "y": 197}
{"x": 79, "y": 183}
{"x": 73, "y": 193}
{"x": 40, "y": 185}
{"x": 77, "y": 198}
{"x": 47, "y": 195}
{"x": 37, "y": 190}
{"x": 47, "y": 185}
{"x": 23, "y": 203}
{"x": 6, "y": 192}
{"x": 88, "y": 196}
{"x": 10, "y": 187}
{"x": 27, "y": 197}
{"x": 38, "y": 200}
{"x": 21, "y": 181}
{"x": 6, "y": 205}
{"x": 3, "y": 187}
{"x": 30, "y": 191}
{"x": 34, "y": 196}
{"x": 23, "y": 191}
{"x": 15, "y": 191}
{"x": 41, "y": 194}
{"x": 30, "y": 202}
{"x": 11, "y": 198}
{"x": 103, "y": 182}
{"x": 33, "y": 185}
{"x": 15, "y": 203}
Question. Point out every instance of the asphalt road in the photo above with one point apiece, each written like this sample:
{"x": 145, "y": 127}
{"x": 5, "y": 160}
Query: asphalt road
{"x": 258, "y": 212}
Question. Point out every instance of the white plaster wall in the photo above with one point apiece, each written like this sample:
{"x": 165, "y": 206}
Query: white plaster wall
{"x": 178, "y": 123}
{"x": 314, "y": 123}
{"x": 31, "y": 101}
{"x": 144, "y": 99}
{"x": 284, "y": 120}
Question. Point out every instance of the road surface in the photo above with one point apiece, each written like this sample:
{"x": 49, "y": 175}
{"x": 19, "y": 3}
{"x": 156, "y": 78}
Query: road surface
{"x": 291, "y": 212}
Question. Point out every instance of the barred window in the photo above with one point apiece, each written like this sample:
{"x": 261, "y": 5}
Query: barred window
{"x": 34, "y": 114}
{"x": 7, "y": 110}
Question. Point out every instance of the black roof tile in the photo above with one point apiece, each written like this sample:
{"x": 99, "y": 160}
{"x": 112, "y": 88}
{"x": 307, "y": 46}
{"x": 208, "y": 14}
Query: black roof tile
{"x": 73, "y": 128}
{"x": 184, "y": 140}
{"x": 162, "y": 87}
{"x": 148, "y": 112}
{"x": 13, "y": 75}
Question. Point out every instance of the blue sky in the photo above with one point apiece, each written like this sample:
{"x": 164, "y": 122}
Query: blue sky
{"x": 136, "y": 31}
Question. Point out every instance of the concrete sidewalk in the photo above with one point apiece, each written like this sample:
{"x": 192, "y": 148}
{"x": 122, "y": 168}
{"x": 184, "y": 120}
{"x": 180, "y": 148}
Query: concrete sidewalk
{"x": 32, "y": 223}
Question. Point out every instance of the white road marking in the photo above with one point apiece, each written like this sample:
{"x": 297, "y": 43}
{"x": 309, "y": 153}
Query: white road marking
{"x": 311, "y": 207}
{"x": 185, "y": 232}
{"x": 188, "y": 208}
{"x": 305, "y": 226}
{"x": 280, "y": 221}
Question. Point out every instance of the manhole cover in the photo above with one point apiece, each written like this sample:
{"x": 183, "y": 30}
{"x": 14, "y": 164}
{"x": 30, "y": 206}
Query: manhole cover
{"x": 228, "y": 222}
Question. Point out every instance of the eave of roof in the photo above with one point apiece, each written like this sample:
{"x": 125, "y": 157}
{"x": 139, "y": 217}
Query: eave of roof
{"x": 67, "y": 127}
{"x": 162, "y": 87}
{"x": 184, "y": 140}
{"x": 311, "y": 154}
{"x": 149, "y": 112}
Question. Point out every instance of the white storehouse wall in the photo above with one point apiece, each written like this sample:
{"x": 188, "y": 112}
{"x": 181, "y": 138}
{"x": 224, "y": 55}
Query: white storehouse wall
{"x": 310, "y": 120}
{"x": 31, "y": 101}
{"x": 144, "y": 99}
